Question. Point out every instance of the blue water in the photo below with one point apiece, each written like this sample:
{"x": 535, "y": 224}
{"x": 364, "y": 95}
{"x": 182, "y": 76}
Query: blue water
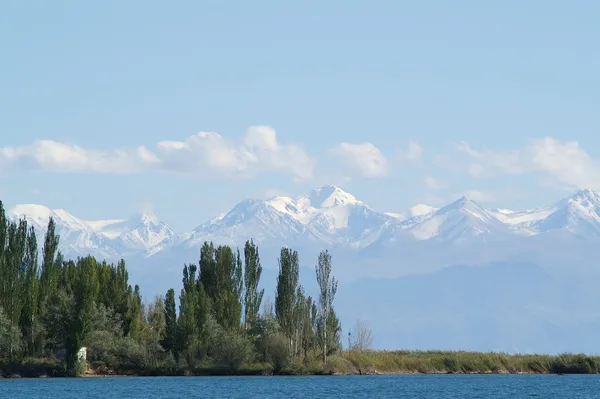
{"x": 397, "y": 386}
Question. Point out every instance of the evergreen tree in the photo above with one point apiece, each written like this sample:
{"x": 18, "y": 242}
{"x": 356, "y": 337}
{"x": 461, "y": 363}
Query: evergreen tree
{"x": 252, "y": 273}
{"x": 285, "y": 296}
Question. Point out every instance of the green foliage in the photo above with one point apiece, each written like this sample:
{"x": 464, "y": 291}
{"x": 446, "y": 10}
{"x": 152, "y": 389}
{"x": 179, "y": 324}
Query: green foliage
{"x": 234, "y": 350}
{"x": 286, "y": 291}
{"x": 227, "y": 306}
{"x": 329, "y": 327}
{"x": 10, "y": 336}
{"x": 252, "y": 296}
{"x": 264, "y": 330}
{"x": 278, "y": 352}
{"x": 52, "y": 309}
{"x": 170, "y": 340}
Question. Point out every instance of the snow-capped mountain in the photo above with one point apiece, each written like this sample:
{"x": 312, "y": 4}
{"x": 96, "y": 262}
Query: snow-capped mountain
{"x": 461, "y": 219}
{"x": 143, "y": 233}
{"x": 414, "y": 211}
{"x": 326, "y": 217}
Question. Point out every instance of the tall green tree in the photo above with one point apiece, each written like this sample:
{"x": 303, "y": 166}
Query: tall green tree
{"x": 252, "y": 273}
{"x": 170, "y": 323}
{"x": 4, "y": 278}
{"x": 285, "y": 295}
{"x": 327, "y": 290}
{"x": 193, "y": 313}
{"x": 227, "y": 305}
{"x": 31, "y": 290}
{"x": 85, "y": 292}
{"x": 208, "y": 270}
{"x": 13, "y": 275}
{"x": 134, "y": 314}
{"x": 51, "y": 261}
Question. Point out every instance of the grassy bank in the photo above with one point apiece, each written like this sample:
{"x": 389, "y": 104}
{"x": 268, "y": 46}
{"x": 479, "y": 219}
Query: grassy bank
{"x": 348, "y": 362}
{"x": 427, "y": 362}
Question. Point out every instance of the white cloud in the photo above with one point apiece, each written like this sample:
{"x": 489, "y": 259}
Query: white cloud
{"x": 435, "y": 184}
{"x": 413, "y": 153}
{"x": 203, "y": 154}
{"x": 53, "y": 156}
{"x": 566, "y": 162}
{"x": 363, "y": 159}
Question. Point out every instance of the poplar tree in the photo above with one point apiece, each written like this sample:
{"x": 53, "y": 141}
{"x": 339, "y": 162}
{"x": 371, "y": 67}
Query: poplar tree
{"x": 285, "y": 295}
{"x": 252, "y": 273}
{"x": 327, "y": 290}
{"x": 30, "y": 292}
{"x": 208, "y": 270}
{"x": 51, "y": 261}
{"x": 170, "y": 323}
{"x": 229, "y": 283}
{"x": 13, "y": 267}
{"x": 85, "y": 292}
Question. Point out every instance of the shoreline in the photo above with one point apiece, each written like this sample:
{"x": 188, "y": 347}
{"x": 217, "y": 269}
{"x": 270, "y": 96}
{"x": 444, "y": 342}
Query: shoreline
{"x": 335, "y": 374}
{"x": 365, "y": 362}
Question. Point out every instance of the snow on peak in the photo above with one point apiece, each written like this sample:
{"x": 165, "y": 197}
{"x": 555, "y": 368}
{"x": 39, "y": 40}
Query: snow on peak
{"x": 330, "y": 196}
{"x": 101, "y": 237}
{"x": 585, "y": 197}
{"x": 149, "y": 218}
{"x": 326, "y": 215}
{"x": 37, "y": 213}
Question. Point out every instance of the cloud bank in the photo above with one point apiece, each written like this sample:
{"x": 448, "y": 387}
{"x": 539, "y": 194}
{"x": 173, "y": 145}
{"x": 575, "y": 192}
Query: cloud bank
{"x": 565, "y": 162}
{"x": 203, "y": 154}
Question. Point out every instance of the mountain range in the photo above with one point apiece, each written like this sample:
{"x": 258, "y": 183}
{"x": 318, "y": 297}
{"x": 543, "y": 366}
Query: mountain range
{"x": 461, "y": 276}
{"x": 327, "y": 217}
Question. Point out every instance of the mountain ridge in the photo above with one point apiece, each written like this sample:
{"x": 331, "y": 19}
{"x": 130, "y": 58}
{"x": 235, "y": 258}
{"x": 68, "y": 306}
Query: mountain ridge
{"x": 327, "y": 217}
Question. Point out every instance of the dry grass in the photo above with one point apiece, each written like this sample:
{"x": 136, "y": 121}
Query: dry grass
{"x": 464, "y": 362}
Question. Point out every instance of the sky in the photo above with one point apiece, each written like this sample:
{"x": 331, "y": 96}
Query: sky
{"x": 185, "y": 108}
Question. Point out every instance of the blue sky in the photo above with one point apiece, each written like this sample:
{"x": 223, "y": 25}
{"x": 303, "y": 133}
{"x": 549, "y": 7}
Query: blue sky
{"x": 102, "y": 105}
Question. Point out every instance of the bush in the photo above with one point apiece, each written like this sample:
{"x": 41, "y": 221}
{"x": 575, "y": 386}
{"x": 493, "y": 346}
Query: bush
{"x": 278, "y": 352}
{"x": 234, "y": 351}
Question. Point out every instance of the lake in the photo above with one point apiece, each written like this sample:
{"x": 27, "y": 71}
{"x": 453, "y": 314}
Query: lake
{"x": 392, "y": 386}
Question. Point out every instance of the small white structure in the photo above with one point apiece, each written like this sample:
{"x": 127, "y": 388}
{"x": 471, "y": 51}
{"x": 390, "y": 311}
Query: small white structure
{"x": 82, "y": 354}
{"x": 61, "y": 354}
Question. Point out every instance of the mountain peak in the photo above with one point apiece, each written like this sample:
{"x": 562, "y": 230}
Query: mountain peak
{"x": 329, "y": 196}
{"x": 462, "y": 202}
{"x": 31, "y": 210}
{"x": 586, "y": 195}
{"x": 148, "y": 217}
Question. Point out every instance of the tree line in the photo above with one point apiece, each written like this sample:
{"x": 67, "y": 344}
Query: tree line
{"x": 48, "y": 303}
